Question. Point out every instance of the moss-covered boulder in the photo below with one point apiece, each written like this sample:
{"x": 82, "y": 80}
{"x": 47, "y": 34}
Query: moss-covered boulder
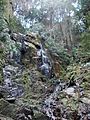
{"x": 8, "y": 109}
{"x": 40, "y": 116}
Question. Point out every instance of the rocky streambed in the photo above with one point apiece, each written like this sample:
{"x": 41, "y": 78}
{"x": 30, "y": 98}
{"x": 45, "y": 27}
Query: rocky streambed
{"x": 41, "y": 98}
{"x": 31, "y": 93}
{"x": 10, "y": 88}
{"x": 67, "y": 104}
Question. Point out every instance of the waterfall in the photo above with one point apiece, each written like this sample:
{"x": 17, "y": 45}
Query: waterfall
{"x": 11, "y": 88}
{"x": 45, "y": 65}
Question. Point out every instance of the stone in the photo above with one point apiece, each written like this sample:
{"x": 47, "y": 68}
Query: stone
{"x": 7, "y": 109}
{"x": 24, "y": 113}
{"x": 85, "y": 100}
{"x": 5, "y": 118}
{"x": 11, "y": 100}
{"x": 70, "y": 91}
{"x": 10, "y": 68}
{"x": 40, "y": 116}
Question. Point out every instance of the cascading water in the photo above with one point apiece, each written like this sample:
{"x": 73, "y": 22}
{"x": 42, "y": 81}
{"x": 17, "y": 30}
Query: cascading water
{"x": 51, "y": 101}
{"x": 13, "y": 89}
{"x": 44, "y": 62}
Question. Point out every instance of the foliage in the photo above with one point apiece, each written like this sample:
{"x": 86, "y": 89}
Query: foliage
{"x": 2, "y": 3}
{"x": 15, "y": 25}
{"x": 54, "y": 47}
{"x": 2, "y": 60}
{"x": 86, "y": 41}
{"x": 37, "y": 28}
{"x": 3, "y": 24}
{"x": 73, "y": 71}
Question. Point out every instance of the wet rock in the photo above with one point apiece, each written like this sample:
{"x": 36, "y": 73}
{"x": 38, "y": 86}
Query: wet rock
{"x": 85, "y": 100}
{"x": 10, "y": 69}
{"x": 74, "y": 115}
{"x": 11, "y": 89}
{"x": 5, "y": 118}
{"x": 11, "y": 100}
{"x": 10, "y": 93}
{"x": 1, "y": 95}
{"x": 25, "y": 113}
{"x": 70, "y": 91}
{"x": 84, "y": 111}
{"x": 88, "y": 116}
{"x": 45, "y": 69}
{"x": 57, "y": 112}
{"x": 50, "y": 108}
{"x": 72, "y": 83}
{"x": 87, "y": 64}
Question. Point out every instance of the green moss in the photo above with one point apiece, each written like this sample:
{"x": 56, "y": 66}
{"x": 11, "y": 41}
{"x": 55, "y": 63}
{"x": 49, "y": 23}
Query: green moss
{"x": 2, "y": 60}
{"x": 15, "y": 25}
{"x": 3, "y": 24}
{"x": 85, "y": 85}
{"x": 1, "y": 78}
{"x": 25, "y": 78}
{"x": 9, "y": 110}
{"x": 87, "y": 76}
{"x": 86, "y": 41}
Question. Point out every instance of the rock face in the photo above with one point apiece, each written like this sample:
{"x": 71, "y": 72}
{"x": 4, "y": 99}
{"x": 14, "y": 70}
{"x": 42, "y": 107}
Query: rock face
{"x": 85, "y": 100}
{"x": 7, "y": 109}
{"x": 41, "y": 116}
{"x": 5, "y": 118}
{"x": 11, "y": 90}
{"x": 24, "y": 113}
{"x": 21, "y": 83}
{"x": 23, "y": 78}
{"x": 15, "y": 112}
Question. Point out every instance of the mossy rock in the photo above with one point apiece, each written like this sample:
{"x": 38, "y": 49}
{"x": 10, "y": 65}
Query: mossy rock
{"x": 1, "y": 77}
{"x": 2, "y": 117}
{"x": 87, "y": 93}
{"x": 8, "y": 109}
{"x": 40, "y": 116}
{"x": 86, "y": 85}
{"x": 2, "y": 60}
{"x": 87, "y": 77}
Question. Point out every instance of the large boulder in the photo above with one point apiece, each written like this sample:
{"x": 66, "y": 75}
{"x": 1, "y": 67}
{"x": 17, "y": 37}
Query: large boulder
{"x": 7, "y": 109}
{"x": 40, "y": 116}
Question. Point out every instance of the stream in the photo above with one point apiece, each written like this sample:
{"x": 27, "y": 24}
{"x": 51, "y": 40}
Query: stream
{"x": 51, "y": 107}
{"x": 44, "y": 64}
{"x": 11, "y": 89}
{"x": 51, "y": 101}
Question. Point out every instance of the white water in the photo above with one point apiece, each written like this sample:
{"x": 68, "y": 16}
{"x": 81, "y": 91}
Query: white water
{"x": 11, "y": 87}
{"x": 45, "y": 66}
{"x": 51, "y": 101}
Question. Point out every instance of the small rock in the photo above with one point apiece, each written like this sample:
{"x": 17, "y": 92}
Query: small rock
{"x": 88, "y": 116}
{"x": 70, "y": 91}
{"x": 85, "y": 100}
{"x": 5, "y": 118}
{"x": 8, "y": 109}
